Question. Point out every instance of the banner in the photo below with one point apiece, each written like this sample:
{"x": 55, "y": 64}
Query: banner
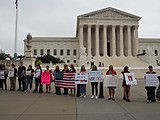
{"x": 81, "y": 78}
{"x": 111, "y": 80}
{"x": 11, "y": 72}
{"x": 95, "y": 76}
{"x": 130, "y": 79}
{"x": 46, "y": 78}
{"x": 2, "y": 76}
{"x": 152, "y": 80}
{"x": 68, "y": 80}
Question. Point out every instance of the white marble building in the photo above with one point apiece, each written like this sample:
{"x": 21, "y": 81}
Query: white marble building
{"x": 108, "y": 35}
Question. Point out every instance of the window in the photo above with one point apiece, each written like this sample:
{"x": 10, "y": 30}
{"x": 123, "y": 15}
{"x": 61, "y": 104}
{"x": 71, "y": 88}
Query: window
{"x": 41, "y": 52}
{"x": 68, "y": 61}
{"x": 144, "y": 51}
{"x": 61, "y": 52}
{"x": 68, "y": 52}
{"x": 35, "y": 51}
{"x": 74, "y": 61}
{"x": 48, "y": 51}
{"x": 55, "y": 51}
{"x": 156, "y": 52}
{"x": 74, "y": 52}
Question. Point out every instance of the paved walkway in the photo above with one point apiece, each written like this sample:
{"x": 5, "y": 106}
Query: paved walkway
{"x": 29, "y": 106}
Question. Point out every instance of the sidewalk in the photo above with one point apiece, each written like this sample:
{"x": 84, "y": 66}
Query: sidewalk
{"x": 29, "y": 106}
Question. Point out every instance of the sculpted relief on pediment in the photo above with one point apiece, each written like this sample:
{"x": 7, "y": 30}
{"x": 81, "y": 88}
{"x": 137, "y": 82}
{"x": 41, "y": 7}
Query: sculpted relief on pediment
{"x": 109, "y": 14}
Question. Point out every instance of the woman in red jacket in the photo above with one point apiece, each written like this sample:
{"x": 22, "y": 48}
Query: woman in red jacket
{"x": 111, "y": 89}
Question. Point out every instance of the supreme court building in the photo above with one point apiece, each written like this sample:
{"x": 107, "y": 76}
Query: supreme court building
{"x": 109, "y": 36}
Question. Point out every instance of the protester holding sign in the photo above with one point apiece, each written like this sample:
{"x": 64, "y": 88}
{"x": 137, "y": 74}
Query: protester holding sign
{"x": 126, "y": 95}
{"x": 58, "y": 75}
{"x": 94, "y": 84}
{"x": 4, "y": 70}
{"x": 29, "y": 78}
{"x": 37, "y": 77}
{"x": 65, "y": 70}
{"x": 12, "y": 75}
{"x": 150, "y": 89}
{"x": 72, "y": 70}
{"x": 111, "y": 88}
{"x": 48, "y": 86}
{"x": 83, "y": 86}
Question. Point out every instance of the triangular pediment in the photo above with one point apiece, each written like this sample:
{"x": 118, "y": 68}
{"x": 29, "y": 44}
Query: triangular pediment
{"x": 110, "y": 13}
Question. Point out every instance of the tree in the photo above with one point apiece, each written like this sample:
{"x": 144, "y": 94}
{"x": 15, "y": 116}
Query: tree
{"x": 38, "y": 62}
{"x": 49, "y": 58}
{"x": 2, "y": 56}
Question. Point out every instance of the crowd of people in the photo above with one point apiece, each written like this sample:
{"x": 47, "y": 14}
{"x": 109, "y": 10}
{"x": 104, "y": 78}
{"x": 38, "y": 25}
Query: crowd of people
{"x": 26, "y": 76}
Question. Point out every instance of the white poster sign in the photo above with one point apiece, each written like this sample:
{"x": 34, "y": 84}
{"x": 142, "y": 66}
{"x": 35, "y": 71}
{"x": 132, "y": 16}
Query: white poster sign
{"x": 81, "y": 78}
{"x": 111, "y": 80}
{"x": 130, "y": 79}
{"x": 95, "y": 76}
{"x": 2, "y": 76}
{"x": 152, "y": 80}
{"x": 11, "y": 72}
{"x": 28, "y": 73}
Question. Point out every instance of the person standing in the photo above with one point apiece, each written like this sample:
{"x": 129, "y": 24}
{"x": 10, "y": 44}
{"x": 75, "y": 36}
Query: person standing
{"x": 58, "y": 75}
{"x": 37, "y": 76}
{"x": 94, "y": 84}
{"x": 12, "y": 75}
{"x": 126, "y": 95}
{"x": 48, "y": 86}
{"x": 111, "y": 89}
{"x": 150, "y": 89}
{"x": 92, "y": 62}
{"x": 21, "y": 77}
{"x": 29, "y": 78}
{"x": 83, "y": 86}
{"x": 3, "y": 77}
{"x": 65, "y": 70}
{"x": 72, "y": 70}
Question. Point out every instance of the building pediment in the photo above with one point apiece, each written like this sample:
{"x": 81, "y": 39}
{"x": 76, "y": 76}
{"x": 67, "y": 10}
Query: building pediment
{"x": 110, "y": 13}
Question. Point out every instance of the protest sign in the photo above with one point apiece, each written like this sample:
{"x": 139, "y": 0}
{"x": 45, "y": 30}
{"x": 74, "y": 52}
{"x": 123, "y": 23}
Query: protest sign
{"x": 152, "y": 80}
{"x": 111, "y": 80}
{"x": 46, "y": 78}
{"x": 81, "y": 78}
{"x": 95, "y": 76}
{"x": 11, "y": 72}
{"x": 130, "y": 79}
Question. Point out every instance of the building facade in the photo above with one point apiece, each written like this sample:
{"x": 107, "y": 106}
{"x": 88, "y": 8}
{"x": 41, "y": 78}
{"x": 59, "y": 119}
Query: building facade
{"x": 108, "y": 36}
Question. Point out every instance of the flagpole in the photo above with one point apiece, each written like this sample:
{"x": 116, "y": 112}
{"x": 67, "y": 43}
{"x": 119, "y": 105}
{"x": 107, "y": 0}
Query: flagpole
{"x": 16, "y": 26}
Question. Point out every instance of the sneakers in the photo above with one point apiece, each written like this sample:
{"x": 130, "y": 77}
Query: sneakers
{"x": 92, "y": 96}
{"x": 96, "y": 97}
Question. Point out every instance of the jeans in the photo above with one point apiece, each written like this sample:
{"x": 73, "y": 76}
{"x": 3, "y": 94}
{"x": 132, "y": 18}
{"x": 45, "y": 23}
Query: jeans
{"x": 28, "y": 81}
{"x": 83, "y": 89}
{"x": 13, "y": 83}
{"x": 94, "y": 85}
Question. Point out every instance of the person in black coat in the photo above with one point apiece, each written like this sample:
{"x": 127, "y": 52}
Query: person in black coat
{"x": 150, "y": 89}
{"x": 21, "y": 77}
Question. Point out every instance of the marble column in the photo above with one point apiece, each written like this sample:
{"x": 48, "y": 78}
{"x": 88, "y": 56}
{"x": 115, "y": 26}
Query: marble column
{"x": 97, "y": 40}
{"x": 129, "y": 40}
{"x": 81, "y": 37}
{"x": 105, "y": 40}
{"x": 89, "y": 40}
{"x": 136, "y": 47}
{"x": 121, "y": 41}
{"x": 113, "y": 46}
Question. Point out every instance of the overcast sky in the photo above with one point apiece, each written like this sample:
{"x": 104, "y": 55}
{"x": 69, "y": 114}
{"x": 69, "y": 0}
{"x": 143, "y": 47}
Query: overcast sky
{"x": 58, "y": 18}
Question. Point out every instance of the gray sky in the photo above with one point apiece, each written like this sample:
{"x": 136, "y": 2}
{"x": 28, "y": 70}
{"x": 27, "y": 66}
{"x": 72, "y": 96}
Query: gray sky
{"x": 58, "y": 18}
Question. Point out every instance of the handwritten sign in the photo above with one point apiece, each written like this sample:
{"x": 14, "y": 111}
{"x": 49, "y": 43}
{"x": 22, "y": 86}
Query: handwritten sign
{"x": 2, "y": 76}
{"x": 37, "y": 74}
{"x": 28, "y": 73}
{"x": 81, "y": 78}
{"x": 152, "y": 80}
{"x": 111, "y": 81}
{"x": 130, "y": 79}
{"x": 95, "y": 76}
{"x": 46, "y": 78}
{"x": 11, "y": 72}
